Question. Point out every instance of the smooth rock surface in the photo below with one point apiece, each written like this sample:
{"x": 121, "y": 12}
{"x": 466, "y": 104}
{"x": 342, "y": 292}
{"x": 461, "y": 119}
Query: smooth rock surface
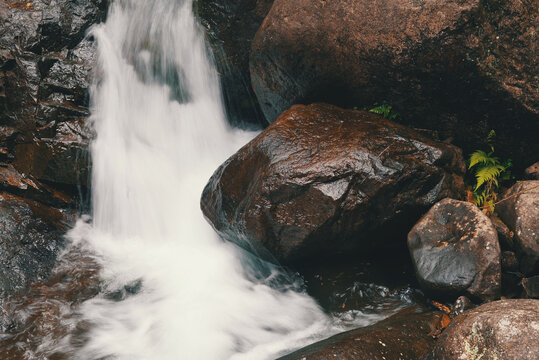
{"x": 322, "y": 181}
{"x": 521, "y": 213}
{"x": 405, "y": 335}
{"x": 505, "y": 329}
{"x": 461, "y": 67}
{"x": 455, "y": 251}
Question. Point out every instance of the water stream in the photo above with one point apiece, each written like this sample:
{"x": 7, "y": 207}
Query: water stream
{"x": 168, "y": 287}
{"x": 161, "y": 132}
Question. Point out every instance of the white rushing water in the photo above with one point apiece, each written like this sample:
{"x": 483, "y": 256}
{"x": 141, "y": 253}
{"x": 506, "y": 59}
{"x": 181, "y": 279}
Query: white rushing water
{"x": 161, "y": 132}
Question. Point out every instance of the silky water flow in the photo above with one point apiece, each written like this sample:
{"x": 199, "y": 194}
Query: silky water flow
{"x": 160, "y": 133}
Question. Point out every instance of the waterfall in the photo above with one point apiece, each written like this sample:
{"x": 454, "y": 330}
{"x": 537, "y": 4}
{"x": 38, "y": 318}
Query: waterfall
{"x": 160, "y": 133}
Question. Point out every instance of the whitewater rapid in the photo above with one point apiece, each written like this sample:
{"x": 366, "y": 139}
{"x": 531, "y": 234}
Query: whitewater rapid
{"x": 161, "y": 132}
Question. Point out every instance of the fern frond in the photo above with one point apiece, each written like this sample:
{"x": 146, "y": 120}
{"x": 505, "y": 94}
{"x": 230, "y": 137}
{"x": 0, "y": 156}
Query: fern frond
{"x": 479, "y": 199}
{"x": 383, "y": 110}
{"x": 481, "y": 157}
{"x": 488, "y": 173}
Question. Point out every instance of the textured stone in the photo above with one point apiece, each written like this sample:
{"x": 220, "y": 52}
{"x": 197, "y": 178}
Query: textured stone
{"x": 461, "y": 67}
{"x": 455, "y": 251}
{"x": 46, "y": 63}
{"x": 505, "y": 329}
{"x": 31, "y": 236}
{"x": 521, "y": 213}
{"x": 322, "y": 180}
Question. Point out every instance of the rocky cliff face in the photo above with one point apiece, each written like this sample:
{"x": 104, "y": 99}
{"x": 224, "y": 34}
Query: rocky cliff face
{"x": 45, "y": 66}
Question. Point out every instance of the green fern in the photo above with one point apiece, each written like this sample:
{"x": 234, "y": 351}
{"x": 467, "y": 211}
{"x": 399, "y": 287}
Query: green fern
{"x": 386, "y": 111}
{"x": 481, "y": 157}
{"x": 488, "y": 171}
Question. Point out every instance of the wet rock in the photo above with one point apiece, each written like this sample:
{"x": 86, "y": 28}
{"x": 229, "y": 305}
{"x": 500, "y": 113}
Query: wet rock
{"x": 521, "y": 213}
{"x": 45, "y": 69}
{"x": 455, "y": 251}
{"x": 61, "y": 159}
{"x": 45, "y": 61}
{"x": 531, "y": 287}
{"x": 505, "y": 329}
{"x": 45, "y": 310}
{"x": 532, "y": 172}
{"x": 231, "y": 25}
{"x": 444, "y": 65}
{"x": 405, "y": 335}
{"x": 31, "y": 235}
{"x": 17, "y": 183}
{"x": 322, "y": 180}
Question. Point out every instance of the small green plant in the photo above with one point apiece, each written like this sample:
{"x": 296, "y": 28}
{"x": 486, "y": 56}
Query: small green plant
{"x": 386, "y": 111}
{"x": 488, "y": 170}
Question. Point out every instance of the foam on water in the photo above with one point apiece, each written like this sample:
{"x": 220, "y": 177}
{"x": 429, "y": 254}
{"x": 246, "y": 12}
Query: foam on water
{"x": 161, "y": 132}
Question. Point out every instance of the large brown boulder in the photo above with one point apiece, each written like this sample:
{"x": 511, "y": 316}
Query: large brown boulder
{"x": 322, "y": 180}
{"x": 403, "y": 336}
{"x": 230, "y": 26}
{"x": 505, "y": 329}
{"x": 455, "y": 251}
{"x": 461, "y": 67}
{"x": 521, "y": 213}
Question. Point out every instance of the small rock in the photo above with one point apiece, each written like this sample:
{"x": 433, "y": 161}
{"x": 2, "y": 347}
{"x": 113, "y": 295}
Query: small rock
{"x": 461, "y": 305}
{"x": 503, "y": 330}
{"x": 521, "y": 213}
{"x": 455, "y": 251}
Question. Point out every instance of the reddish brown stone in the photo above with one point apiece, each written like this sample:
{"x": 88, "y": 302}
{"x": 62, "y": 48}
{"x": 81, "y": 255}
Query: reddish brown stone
{"x": 322, "y": 180}
{"x": 461, "y": 67}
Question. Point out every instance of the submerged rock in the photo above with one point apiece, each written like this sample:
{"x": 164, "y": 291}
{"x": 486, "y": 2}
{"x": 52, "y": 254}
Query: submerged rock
{"x": 505, "y": 329}
{"x": 231, "y": 25}
{"x": 455, "y": 251}
{"x": 31, "y": 235}
{"x": 521, "y": 213}
{"x": 459, "y": 67}
{"x": 406, "y": 335}
{"x": 322, "y": 180}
